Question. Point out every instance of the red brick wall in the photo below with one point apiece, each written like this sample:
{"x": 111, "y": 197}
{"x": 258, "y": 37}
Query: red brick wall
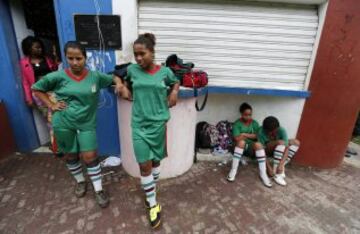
{"x": 330, "y": 113}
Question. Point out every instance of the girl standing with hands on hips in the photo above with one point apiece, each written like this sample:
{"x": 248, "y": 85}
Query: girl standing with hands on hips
{"x": 154, "y": 90}
{"x": 74, "y": 119}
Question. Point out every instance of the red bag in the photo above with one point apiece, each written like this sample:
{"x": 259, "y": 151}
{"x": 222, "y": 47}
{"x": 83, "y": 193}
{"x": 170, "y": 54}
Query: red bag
{"x": 195, "y": 79}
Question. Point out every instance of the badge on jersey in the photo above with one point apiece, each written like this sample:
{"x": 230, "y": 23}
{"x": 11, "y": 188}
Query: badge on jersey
{"x": 93, "y": 88}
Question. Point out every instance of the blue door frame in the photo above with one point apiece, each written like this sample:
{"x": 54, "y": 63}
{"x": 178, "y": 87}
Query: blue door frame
{"x": 107, "y": 118}
{"x": 11, "y": 92}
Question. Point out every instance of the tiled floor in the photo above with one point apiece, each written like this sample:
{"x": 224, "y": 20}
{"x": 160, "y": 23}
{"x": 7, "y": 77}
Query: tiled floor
{"x": 37, "y": 197}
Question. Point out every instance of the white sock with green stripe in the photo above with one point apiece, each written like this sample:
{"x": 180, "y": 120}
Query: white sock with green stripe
{"x": 148, "y": 184}
{"x": 261, "y": 158}
{"x": 292, "y": 151}
{"x": 278, "y": 154}
{"x": 94, "y": 172}
{"x": 75, "y": 169}
{"x": 237, "y": 157}
{"x": 156, "y": 173}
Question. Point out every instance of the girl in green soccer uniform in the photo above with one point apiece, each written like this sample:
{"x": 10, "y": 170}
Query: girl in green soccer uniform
{"x": 74, "y": 119}
{"x": 244, "y": 133}
{"x": 274, "y": 142}
{"x": 154, "y": 91}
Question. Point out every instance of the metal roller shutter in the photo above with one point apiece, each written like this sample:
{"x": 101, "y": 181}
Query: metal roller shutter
{"x": 239, "y": 43}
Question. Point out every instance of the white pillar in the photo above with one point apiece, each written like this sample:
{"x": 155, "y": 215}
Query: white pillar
{"x": 180, "y": 139}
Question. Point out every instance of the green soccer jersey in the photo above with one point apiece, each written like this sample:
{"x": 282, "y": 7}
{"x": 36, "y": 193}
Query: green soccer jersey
{"x": 150, "y": 102}
{"x": 265, "y": 138}
{"x": 81, "y": 96}
{"x": 240, "y": 127}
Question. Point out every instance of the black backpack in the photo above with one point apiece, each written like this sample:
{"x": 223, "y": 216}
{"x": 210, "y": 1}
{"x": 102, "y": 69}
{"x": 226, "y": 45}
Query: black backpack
{"x": 202, "y": 138}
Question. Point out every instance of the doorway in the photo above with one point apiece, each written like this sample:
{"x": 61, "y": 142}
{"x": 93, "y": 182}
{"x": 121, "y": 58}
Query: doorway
{"x": 37, "y": 18}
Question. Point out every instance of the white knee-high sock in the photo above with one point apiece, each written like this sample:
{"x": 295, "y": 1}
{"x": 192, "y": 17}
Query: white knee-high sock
{"x": 148, "y": 184}
{"x": 261, "y": 158}
{"x": 237, "y": 157}
{"x": 75, "y": 169}
{"x": 94, "y": 172}
{"x": 292, "y": 151}
{"x": 278, "y": 155}
{"x": 156, "y": 173}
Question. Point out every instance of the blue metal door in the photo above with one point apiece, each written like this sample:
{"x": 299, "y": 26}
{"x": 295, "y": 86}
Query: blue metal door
{"x": 107, "y": 119}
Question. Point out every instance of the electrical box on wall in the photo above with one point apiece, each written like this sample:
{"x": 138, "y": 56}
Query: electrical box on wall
{"x": 90, "y": 30}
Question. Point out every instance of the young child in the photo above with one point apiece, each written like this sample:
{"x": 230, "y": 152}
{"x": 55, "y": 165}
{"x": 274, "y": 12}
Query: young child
{"x": 244, "y": 133}
{"x": 274, "y": 140}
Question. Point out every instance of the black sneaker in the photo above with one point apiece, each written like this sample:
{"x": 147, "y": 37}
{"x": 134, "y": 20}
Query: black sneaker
{"x": 155, "y": 216}
{"x": 102, "y": 198}
{"x": 80, "y": 189}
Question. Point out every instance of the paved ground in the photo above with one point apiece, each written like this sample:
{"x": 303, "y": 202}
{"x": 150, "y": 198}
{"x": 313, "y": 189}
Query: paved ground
{"x": 37, "y": 197}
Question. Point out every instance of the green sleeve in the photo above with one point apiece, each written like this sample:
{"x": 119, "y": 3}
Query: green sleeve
{"x": 262, "y": 138}
{"x": 47, "y": 83}
{"x": 256, "y": 126}
{"x": 236, "y": 131}
{"x": 105, "y": 80}
{"x": 283, "y": 136}
{"x": 170, "y": 78}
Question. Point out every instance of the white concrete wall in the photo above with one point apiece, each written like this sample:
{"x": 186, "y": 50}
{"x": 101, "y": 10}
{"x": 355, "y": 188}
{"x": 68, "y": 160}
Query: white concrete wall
{"x": 226, "y": 107}
{"x": 128, "y": 10}
{"x": 180, "y": 139}
{"x": 18, "y": 18}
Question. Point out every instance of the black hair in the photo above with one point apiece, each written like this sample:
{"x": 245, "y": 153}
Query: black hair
{"x": 28, "y": 42}
{"x": 243, "y": 107}
{"x": 75, "y": 45}
{"x": 270, "y": 123}
{"x": 54, "y": 47}
{"x": 147, "y": 39}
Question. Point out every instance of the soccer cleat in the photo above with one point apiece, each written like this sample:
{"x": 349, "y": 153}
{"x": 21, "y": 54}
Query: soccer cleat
{"x": 80, "y": 189}
{"x": 147, "y": 204}
{"x": 155, "y": 216}
{"x": 102, "y": 198}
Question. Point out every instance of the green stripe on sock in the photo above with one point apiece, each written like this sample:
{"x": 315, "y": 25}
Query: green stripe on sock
{"x": 94, "y": 169}
{"x": 148, "y": 184}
